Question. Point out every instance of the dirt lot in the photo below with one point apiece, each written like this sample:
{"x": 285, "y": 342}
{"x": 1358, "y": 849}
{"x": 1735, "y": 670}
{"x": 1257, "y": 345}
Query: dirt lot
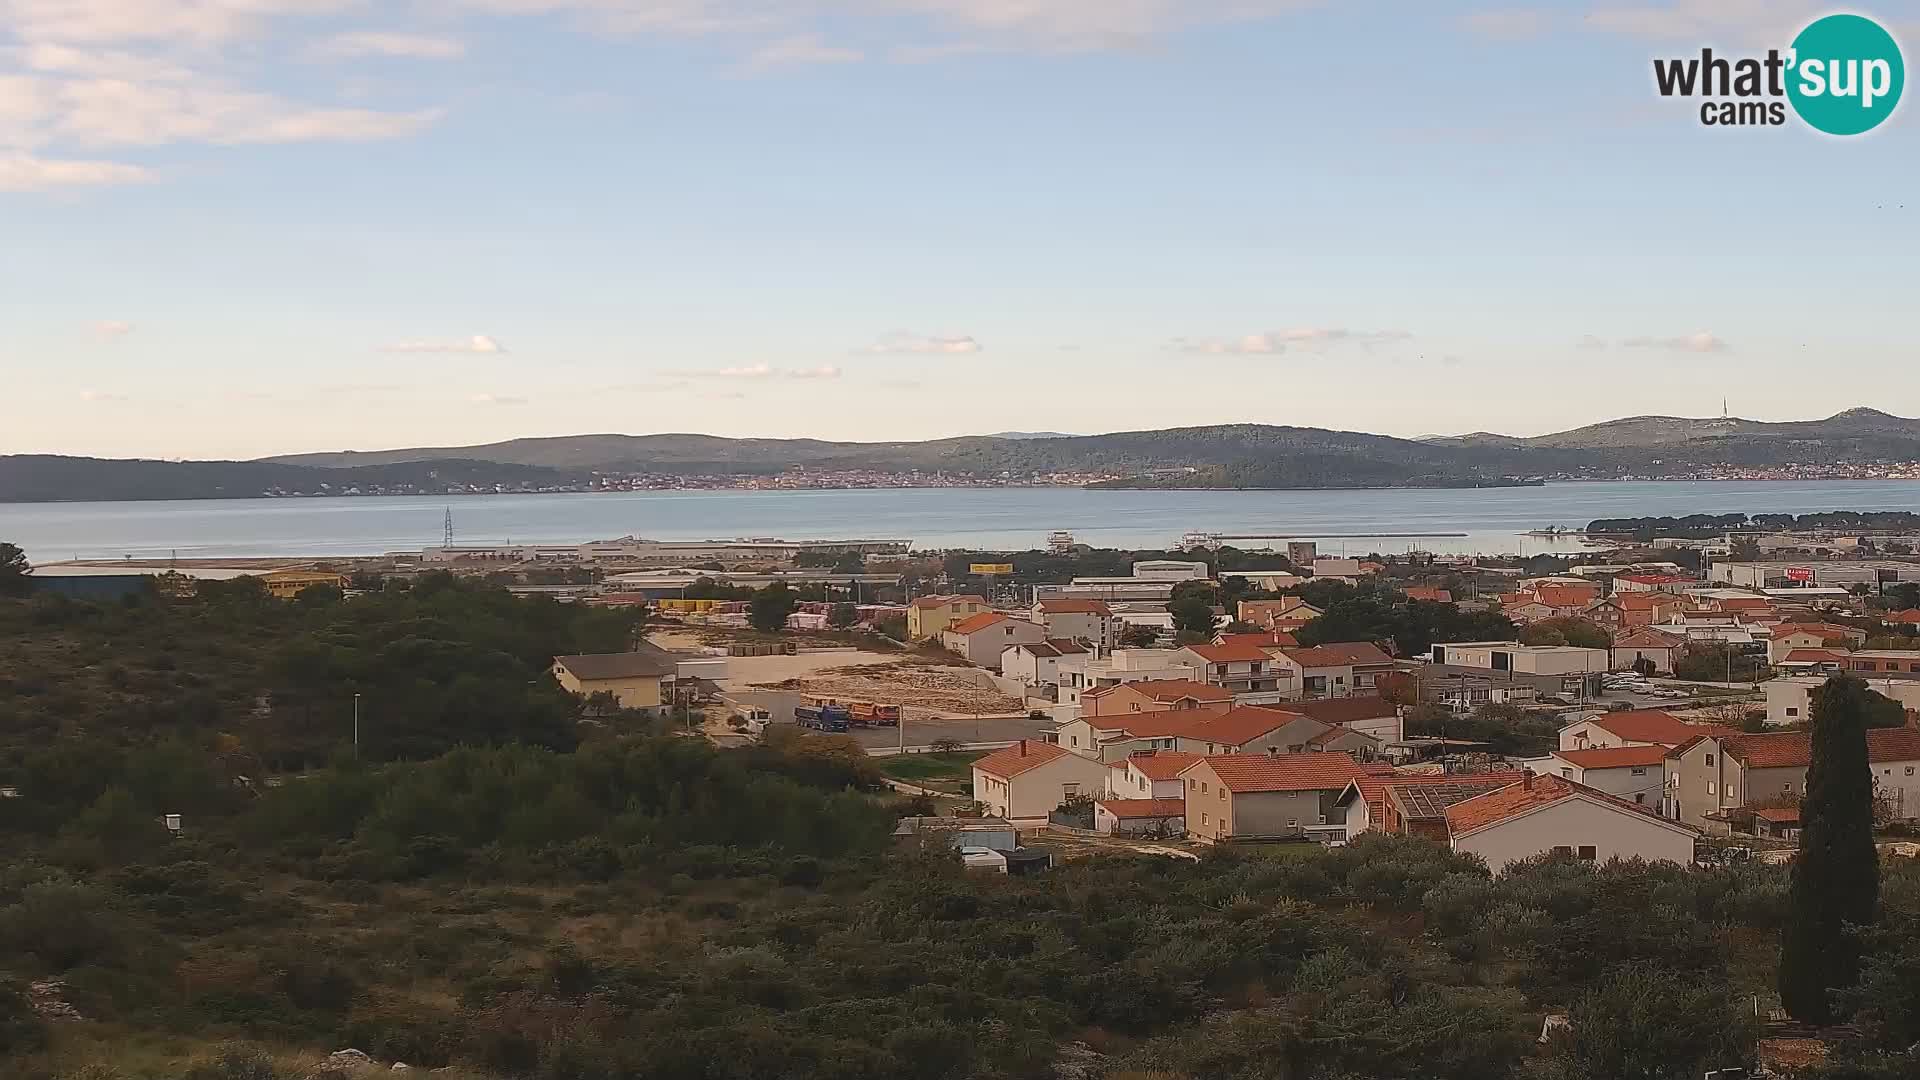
{"x": 922, "y": 691}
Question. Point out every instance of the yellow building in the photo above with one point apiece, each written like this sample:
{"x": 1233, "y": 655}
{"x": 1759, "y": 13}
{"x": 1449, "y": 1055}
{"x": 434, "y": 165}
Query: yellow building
{"x": 929, "y": 616}
{"x": 287, "y": 584}
{"x": 637, "y": 680}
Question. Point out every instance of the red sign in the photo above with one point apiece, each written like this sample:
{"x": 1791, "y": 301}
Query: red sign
{"x": 1799, "y": 573}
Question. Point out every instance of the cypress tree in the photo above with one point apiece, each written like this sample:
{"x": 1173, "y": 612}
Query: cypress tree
{"x": 1836, "y": 878}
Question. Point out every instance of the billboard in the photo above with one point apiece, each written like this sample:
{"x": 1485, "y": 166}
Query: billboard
{"x": 1799, "y": 573}
{"x": 990, "y": 568}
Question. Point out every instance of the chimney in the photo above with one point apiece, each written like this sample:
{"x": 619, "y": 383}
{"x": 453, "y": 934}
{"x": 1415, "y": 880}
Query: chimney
{"x": 1023, "y": 748}
{"x": 1526, "y": 779}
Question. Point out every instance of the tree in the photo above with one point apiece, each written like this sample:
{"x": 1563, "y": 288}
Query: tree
{"x": 14, "y": 571}
{"x": 1138, "y": 637}
{"x": 1192, "y": 615}
{"x": 1567, "y": 630}
{"x": 1650, "y": 1022}
{"x": 841, "y": 616}
{"x": 770, "y": 607}
{"x": 1836, "y": 879}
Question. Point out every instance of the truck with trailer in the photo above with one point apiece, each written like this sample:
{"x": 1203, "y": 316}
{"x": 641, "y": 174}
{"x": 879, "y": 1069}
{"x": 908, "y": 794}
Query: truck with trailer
{"x": 827, "y": 717}
{"x": 874, "y": 714}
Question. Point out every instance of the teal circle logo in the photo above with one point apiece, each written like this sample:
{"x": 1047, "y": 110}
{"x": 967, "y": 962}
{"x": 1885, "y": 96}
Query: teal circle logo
{"x": 1845, "y": 75}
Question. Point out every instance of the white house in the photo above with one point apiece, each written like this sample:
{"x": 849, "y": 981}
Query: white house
{"x": 1090, "y": 621}
{"x": 983, "y": 638}
{"x": 1523, "y": 659}
{"x": 1037, "y": 663}
{"x": 1169, "y": 570}
{"x": 1553, "y": 814}
{"x": 1634, "y": 727}
{"x": 1636, "y": 774}
{"x": 1334, "y": 670}
{"x": 1148, "y": 774}
{"x": 1028, "y": 780}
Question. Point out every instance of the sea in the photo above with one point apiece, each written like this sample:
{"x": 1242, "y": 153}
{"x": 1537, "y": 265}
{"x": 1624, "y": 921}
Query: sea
{"x": 1488, "y": 521}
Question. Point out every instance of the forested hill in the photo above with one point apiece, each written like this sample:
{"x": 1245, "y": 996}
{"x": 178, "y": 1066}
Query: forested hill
{"x": 50, "y": 478}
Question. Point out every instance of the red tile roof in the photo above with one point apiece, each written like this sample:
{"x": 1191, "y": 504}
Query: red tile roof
{"x": 1338, "y": 654}
{"x": 1743, "y": 603}
{"x": 925, "y": 602}
{"x": 1794, "y": 749}
{"x": 1075, "y": 607}
{"x": 1160, "y": 764}
{"x": 1653, "y": 579}
{"x": 1655, "y": 726}
{"x": 1272, "y": 640}
{"x": 1566, "y": 596}
{"x": 1023, "y": 756}
{"x": 1910, "y": 615}
{"x": 973, "y": 624}
{"x": 1245, "y": 774}
{"x": 1813, "y": 656}
{"x": 1648, "y": 638}
{"x": 1230, "y": 654}
{"x": 1167, "y": 690}
{"x": 1822, "y": 630}
{"x": 1438, "y": 596}
{"x": 1632, "y": 601}
{"x": 1344, "y": 710}
{"x": 1786, "y": 815}
{"x": 1373, "y": 785}
{"x": 1152, "y": 725}
{"x": 1236, "y": 727}
{"x": 1614, "y": 757}
{"x": 1511, "y": 801}
{"x": 1127, "y": 809}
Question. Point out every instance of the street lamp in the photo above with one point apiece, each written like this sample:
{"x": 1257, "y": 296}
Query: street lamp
{"x": 356, "y": 726}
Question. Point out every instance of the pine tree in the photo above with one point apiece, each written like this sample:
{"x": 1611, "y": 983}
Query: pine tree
{"x": 1836, "y": 879}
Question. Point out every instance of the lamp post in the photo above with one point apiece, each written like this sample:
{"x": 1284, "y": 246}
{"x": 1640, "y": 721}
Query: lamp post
{"x": 356, "y": 726}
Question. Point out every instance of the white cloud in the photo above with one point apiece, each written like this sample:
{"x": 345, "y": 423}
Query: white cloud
{"x": 100, "y": 396}
{"x": 1300, "y": 338}
{"x": 900, "y": 343}
{"x": 378, "y": 43}
{"x": 799, "y": 51}
{"x": 761, "y": 371}
{"x": 1702, "y": 342}
{"x": 478, "y": 343}
{"x": 199, "y": 22}
{"x": 113, "y": 328}
{"x": 23, "y": 172}
{"x": 496, "y": 399}
{"x": 1510, "y": 24}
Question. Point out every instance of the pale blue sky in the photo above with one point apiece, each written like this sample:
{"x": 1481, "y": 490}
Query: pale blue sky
{"x": 240, "y": 227}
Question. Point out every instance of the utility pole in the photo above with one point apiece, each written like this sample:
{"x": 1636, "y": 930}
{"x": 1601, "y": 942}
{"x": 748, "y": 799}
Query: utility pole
{"x": 356, "y": 726}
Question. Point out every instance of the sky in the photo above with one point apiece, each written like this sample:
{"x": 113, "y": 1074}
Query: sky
{"x": 234, "y": 228}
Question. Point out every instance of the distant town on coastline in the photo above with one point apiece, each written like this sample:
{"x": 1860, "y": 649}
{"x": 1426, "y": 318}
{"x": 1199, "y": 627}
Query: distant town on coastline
{"x": 1857, "y": 444}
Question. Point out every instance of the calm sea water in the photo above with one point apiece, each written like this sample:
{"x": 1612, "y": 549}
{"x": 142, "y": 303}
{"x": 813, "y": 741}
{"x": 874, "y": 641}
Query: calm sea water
{"x": 1494, "y": 519}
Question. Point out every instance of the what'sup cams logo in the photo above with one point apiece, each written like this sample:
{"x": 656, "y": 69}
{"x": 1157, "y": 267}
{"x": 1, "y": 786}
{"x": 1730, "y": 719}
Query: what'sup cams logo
{"x": 1843, "y": 75}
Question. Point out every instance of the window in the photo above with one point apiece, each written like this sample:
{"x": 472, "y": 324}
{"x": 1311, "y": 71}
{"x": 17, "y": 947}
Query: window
{"x": 1640, "y": 797}
{"x": 1588, "y": 852}
{"x": 1073, "y": 740}
{"x": 1791, "y": 711}
{"x": 1293, "y": 823}
{"x": 1203, "y": 787}
{"x": 1203, "y": 817}
{"x": 1638, "y": 771}
{"x": 1069, "y": 790}
{"x": 1562, "y": 849}
{"x": 1909, "y": 770}
{"x": 1223, "y": 794}
{"x": 1709, "y": 761}
{"x": 1710, "y": 790}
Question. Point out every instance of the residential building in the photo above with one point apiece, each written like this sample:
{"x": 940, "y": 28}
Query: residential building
{"x": 287, "y": 584}
{"x": 983, "y": 638}
{"x": 1541, "y": 814}
{"x": 1242, "y": 669}
{"x": 1667, "y": 583}
{"x": 1081, "y": 674}
{"x": 1089, "y": 621}
{"x": 1790, "y": 698}
{"x": 1110, "y": 589}
{"x": 1256, "y": 797}
{"x": 1656, "y": 647}
{"x": 1523, "y": 659}
{"x": 1607, "y": 614}
{"x": 1411, "y": 803}
{"x": 1148, "y": 774}
{"x": 1368, "y": 714}
{"x": 1266, "y": 639}
{"x": 640, "y": 680}
{"x": 1038, "y": 663}
{"x": 1335, "y": 670}
{"x": 1325, "y": 567}
{"x": 1634, "y": 727}
{"x": 1203, "y": 731}
{"x": 1716, "y": 773}
{"x": 1529, "y": 611}
{"x": 1431, "y": 595}
{"x": 928, "y": 616}
{"x": 1868, "y": 662}
{"x": 1286, "y": 613}
{"x": 1030, "y": 779}
{"x": 1153, "y": 695}
{"x": 1790, "y": 636}
{"x": 1140, "y": 817}
{"x": 1636, "y": 774}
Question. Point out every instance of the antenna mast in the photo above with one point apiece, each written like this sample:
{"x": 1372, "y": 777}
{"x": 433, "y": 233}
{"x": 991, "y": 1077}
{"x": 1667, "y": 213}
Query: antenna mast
{"x": 448, "y": 539}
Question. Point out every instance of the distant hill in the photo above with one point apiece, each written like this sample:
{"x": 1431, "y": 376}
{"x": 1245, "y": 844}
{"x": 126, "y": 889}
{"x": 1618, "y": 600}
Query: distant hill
{"x": 1030, "y": 435}
{"x": 1215, "y": 456}
{"x": 48, "y": 478}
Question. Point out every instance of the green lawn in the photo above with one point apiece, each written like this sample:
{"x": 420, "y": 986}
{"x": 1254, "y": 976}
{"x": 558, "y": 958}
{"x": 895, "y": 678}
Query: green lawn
{"x": 931, "y": 768}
